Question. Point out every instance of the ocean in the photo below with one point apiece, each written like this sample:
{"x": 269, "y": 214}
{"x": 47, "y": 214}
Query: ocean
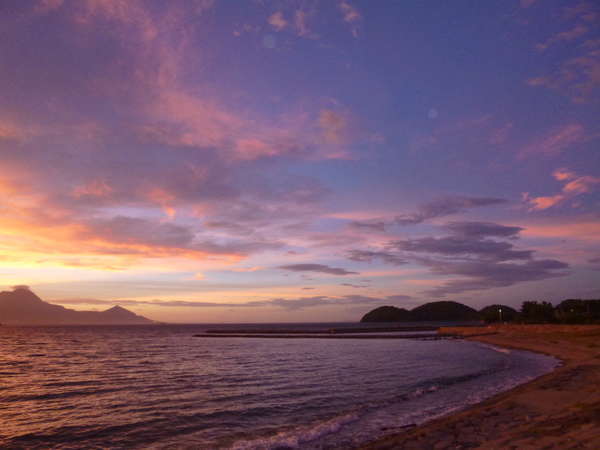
{"x": 158, "y": 387}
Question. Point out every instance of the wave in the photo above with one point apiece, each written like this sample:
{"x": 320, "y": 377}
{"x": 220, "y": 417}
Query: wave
{"x": 58, "y": 395}
{"x": 506, "y": 351}
{"x": 297, "y": 437}
{"x": 189, "y": 394}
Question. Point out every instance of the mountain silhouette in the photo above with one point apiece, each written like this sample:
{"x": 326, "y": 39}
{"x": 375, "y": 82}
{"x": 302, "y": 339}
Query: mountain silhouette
{"x": 433, "y": 311}
{"x": 23, "y": 307}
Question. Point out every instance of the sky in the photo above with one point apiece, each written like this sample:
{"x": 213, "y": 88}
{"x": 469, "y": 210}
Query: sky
{"x": 300, "y": 160}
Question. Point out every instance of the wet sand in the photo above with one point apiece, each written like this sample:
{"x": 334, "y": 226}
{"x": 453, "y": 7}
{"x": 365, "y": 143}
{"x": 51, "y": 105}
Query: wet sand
{"x": 560, "y": 410}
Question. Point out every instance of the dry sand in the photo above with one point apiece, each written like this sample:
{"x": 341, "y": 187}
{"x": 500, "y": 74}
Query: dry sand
{"x": 560, "y": 410}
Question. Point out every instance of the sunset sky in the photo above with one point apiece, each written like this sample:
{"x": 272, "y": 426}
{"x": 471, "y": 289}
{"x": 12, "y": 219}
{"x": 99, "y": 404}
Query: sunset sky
{"x": 261, "y": 161}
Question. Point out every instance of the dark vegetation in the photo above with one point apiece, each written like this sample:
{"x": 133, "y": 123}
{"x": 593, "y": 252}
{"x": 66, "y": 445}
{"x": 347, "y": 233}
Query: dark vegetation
{"x": 575, "y": 311}
{"x": 435, "y": 311}
{"x": 388, "y": 314}
{"x": 498, "y": 313}
{"x": 440, "y": 311}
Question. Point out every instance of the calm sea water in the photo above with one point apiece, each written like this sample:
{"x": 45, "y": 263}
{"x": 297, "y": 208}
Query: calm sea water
{"x": 159, "y": 387}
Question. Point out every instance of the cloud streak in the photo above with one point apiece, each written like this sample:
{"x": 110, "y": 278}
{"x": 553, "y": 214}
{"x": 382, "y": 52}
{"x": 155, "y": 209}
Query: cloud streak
{"x": 319, "y": 268}
{"x": 573, "y": 186}
{"x": 576, "y": 76}
{"x": 446, "y": 206}
{"x": 439, "y": 207}
{"x": 373, "y": 255}
{"x": 290, "y": 304}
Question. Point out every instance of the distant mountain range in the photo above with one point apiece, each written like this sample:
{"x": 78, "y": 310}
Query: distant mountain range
{"x": 23, "y": 307}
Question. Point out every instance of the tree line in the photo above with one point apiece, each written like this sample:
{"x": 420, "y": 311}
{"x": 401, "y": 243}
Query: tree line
{"x": 576, "y": 311}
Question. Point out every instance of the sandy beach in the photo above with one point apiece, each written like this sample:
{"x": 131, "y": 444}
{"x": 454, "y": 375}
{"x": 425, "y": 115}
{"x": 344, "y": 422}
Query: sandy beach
{"x": 560, "y": 410}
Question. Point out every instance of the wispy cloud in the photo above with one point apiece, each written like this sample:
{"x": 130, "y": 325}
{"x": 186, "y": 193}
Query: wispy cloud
{"x": 351, "y": 16}
{"x": 463, "y": 246}
{"x": 320, "y": 268}
{"x": 577, "y": 75}
{"x": 355, "y": 286}
{"x": 373, "y": 225}
{"x": 573, "y": 186}
{"x": 569, "y": 35}
{"x": 290, "y": 304}
{"x": 446, "y": 206}
{"x": 333, "y": 125}
{"x": 439, "y": 207}
{"x": 482, "y": 229}
{"x": 277, "y": 21}
{"x": 374, "y": 255}
{"x": 556, "y": 141}
{"x": 164, "y": 178}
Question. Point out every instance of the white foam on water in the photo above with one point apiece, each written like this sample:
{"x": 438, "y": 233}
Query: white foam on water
{"x": 297, "y": 437}
{"x": 506, "y": 351}
{"x": 414, "y": 408}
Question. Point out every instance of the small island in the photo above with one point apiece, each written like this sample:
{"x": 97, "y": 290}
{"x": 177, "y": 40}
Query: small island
{"x": 441, "y": 311}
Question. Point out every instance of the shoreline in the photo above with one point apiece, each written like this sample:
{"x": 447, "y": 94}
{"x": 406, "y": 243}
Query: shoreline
{"x": 558, "y": 410}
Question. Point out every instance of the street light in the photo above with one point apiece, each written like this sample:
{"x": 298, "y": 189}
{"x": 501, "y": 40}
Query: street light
{"x": 500, "y": 313}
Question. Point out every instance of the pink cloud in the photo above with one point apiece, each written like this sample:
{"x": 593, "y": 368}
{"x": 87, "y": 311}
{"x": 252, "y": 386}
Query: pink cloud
{"x": 351, "y": 16}
{"x": 46, "y": 6}
{"x": 10, "y": 131}
{"x": 564, "y": 36}
{"x": 539, "y": 203}
{"x": 583, "y": 229}
{"x": 277, "y": 21}
{"x": 349, "y": 13}
{"x": 334, "y": 126}
{"x": 131, "y": 14}
{"x": 300, "y": 22}
{"x": 500, "y": 135}
{"x": 95, "y": 188}
{"x": 170, "y": 112}
{"x": 556, "y": 141}
{"x": 573, "y": 186}
{"x": 578, "y": 75}
{"x": 174, "y": 147}
{"x": 165, "y": 199}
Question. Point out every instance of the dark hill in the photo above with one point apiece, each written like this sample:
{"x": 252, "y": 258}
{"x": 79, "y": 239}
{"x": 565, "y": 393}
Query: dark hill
{"x": 434, "y": 312}
{"x": 496, "y": 313}
{"x": 23, "y": 307}
{"x": 387, "y": 314}
{"x": 445, "y": 310}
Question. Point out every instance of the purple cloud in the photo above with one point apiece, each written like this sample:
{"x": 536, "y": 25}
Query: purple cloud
{"x": 489, "y": 274}
{"x": 482, "y": 229}
{"x": 440, "y": 207}
{"x": 463, "y": 246}
{"x": 446, "y": 206}
{"x": 470, "y": 253}
{"x": 370, "y": 256}
{"x": 377, "y": 225}
{"x": 317, "y": 268}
